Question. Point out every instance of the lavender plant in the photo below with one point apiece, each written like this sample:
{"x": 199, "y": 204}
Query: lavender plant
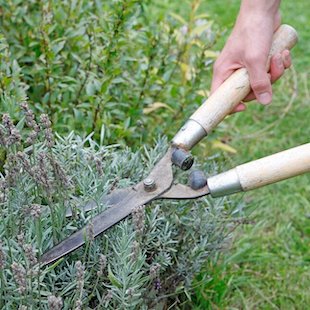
{"x": 146, "y": 261}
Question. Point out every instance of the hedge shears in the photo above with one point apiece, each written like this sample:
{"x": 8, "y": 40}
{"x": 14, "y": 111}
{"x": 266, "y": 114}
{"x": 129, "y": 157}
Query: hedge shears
{"x": 160, "y": 183}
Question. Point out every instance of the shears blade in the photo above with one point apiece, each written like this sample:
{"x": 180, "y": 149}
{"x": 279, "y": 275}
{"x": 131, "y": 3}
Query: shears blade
{"x": 99, "y": 224}
{"x": 111, "y": 199}
{"x": 126, "y": 201}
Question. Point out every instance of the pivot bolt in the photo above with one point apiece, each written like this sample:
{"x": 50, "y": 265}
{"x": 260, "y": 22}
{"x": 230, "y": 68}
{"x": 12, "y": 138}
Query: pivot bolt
{"x": 149, "y": 185}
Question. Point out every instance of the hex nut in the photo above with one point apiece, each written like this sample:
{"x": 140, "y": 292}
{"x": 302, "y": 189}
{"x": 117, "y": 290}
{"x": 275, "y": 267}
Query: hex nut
{"x": 149, "y": 185}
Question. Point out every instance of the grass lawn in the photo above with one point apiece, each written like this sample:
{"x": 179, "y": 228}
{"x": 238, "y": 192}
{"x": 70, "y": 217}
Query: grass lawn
{"x": 268, "y": 266}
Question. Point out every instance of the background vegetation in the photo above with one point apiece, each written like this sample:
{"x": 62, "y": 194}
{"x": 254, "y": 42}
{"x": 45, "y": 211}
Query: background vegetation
{"x": 109, "y": 66}
{"x": 130, "y": 70}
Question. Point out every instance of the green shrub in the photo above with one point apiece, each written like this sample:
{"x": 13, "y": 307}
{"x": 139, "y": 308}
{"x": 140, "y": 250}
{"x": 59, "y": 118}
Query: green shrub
{"x": 110, "y": 64}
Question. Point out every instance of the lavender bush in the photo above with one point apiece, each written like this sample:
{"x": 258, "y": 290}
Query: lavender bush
{"x": 146, "y": 261}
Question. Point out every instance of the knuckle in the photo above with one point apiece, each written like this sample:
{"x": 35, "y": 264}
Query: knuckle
{"x": 254, "y": 58}
{"x": 260, "y": 85}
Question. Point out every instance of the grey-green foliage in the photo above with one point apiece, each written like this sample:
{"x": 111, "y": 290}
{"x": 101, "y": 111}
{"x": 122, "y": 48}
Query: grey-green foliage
{"x": 146, "y": 261}
{"x": 99, "y": 63}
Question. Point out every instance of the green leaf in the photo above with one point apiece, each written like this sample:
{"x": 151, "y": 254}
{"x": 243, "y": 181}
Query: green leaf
{"x": 57, "y": 47}
{"x": 113, "y": 279}
{"x": 178, "y": 18}
{"x": 90, "y": 88}
{"x": 200, "y": 29}
{"x": 155, "y": 106}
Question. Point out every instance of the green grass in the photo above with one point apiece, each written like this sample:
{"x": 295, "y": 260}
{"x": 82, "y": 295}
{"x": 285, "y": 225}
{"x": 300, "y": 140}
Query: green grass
{"x": 268, "y": 266}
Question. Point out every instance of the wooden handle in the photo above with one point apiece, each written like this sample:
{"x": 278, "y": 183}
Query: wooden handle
{"x": 275, "y": 168}
{"x": 261, "y": 172}
{"x": 228, "y": 95}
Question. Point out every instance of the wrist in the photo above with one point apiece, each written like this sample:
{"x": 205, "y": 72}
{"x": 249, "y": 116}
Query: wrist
{"x": 260, "y": 13}
{"x": 265, "y": 7}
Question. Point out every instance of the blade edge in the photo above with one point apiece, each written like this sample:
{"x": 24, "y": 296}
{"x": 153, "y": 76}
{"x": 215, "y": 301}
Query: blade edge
{"x": 100, "y": 223}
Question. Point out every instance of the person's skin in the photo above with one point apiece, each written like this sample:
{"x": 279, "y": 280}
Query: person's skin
{"x": 248, "y": 46}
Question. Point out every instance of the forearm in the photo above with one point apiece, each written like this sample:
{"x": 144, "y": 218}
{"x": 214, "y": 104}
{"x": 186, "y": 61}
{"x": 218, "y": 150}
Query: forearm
{"x": 257, "y": 14}
{"x": 255, "y": 11}
{"x": 260, "y": 6}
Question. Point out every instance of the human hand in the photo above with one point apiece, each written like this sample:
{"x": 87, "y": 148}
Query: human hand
{"x": 248, "y": 46}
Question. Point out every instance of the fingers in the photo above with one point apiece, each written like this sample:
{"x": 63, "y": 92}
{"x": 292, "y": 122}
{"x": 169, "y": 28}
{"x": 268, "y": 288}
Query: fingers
{"x": 287, "y": 60}
{"x": 259, "y": 84}
{"x": 279, "y": 63}
{"x": 276, "y": 67}
{"x": 239, "y": 108}
{"x": 259, "y": 80}
{"x": 251, "y": 96}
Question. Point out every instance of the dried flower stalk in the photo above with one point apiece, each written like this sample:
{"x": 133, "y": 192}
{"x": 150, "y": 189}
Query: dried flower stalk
{"x": 138, "y": 219}
{"x": 30, "y": 254}
{"x": 102, "y": 265}
{"x": 54, "y": 303}
{"x": 46, "y": 125}
{"x": 12, "y": 134}
{"x": 20, "y": 275}
{"x": 2, "y": 257}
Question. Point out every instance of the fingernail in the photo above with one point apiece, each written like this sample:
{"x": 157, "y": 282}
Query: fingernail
{"x": 287, "y": 56}
{"x": 264, "y": 98}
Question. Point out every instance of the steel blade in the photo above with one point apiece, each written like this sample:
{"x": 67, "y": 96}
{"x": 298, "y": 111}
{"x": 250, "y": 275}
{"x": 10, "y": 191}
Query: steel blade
{"x": 100, "y": 223}
{"x": 162, "y": 174}
{"x": 180, "y": 191}
{"x": 111, "y": 199}
{"x": 134, "y": 197}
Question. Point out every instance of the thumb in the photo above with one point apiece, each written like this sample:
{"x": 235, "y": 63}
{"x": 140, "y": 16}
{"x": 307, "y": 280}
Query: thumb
{"x": 220, "y": 74}
{"x": 260, "y": 82}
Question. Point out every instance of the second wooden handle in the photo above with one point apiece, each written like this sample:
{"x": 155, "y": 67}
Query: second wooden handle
{"x": 237, "y": 86}
{"x": 274, "y": 168}
{"x": 261, "y": 172}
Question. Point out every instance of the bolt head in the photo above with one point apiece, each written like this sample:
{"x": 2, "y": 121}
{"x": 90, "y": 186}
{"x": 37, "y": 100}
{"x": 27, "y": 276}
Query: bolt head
{"x": 149, "y": 184}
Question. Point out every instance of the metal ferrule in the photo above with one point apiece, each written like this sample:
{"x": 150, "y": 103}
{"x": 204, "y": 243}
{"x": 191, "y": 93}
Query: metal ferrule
{"x": 189, "y": 135}
{"x": 224, "y": 184}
